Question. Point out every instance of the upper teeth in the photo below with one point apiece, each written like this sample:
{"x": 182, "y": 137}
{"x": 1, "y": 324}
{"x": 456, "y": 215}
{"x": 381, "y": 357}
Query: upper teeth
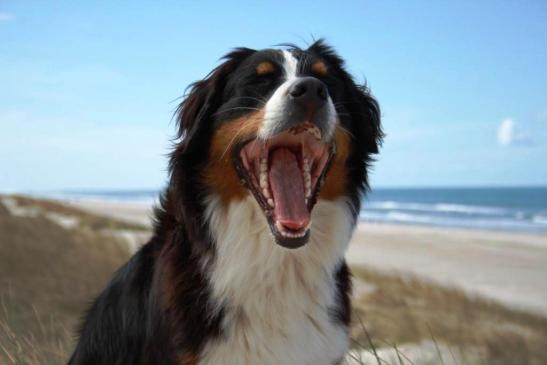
{"x": 307, "y": 178}
{"x": 315, "y": 132}
{"x": 263, "y": 165}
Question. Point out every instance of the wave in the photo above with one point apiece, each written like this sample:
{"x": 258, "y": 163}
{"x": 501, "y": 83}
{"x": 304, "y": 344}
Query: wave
{"x": 437, "y": 207}
{"x": 540, "y": 219}
{"x": 538, "y": 224}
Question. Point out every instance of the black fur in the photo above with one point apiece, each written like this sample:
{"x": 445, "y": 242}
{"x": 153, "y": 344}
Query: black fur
{"x": 155, "y": 310}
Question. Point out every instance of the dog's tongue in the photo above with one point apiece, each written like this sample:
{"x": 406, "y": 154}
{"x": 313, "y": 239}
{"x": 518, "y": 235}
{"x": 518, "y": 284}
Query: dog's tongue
{"x": 287, "y": 187}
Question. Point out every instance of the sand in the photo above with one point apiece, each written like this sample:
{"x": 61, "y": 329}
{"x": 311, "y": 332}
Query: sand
{"x": 507, "y": 267}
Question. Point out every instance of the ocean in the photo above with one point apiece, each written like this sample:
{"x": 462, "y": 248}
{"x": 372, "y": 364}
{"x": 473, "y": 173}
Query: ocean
{"x": 508, "y": 209}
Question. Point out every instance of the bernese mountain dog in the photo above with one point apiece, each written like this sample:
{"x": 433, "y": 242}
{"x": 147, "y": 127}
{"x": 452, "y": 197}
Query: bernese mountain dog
{"x": 246, "y": 263}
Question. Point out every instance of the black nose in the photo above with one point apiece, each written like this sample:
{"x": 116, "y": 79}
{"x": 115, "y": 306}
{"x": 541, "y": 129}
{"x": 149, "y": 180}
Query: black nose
{"x": 309, "y": 92}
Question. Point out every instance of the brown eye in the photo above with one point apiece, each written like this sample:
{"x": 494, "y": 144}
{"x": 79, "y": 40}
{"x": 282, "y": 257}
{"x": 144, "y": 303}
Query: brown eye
{"x": 264, "y": 68}
{"x": 319, "y": 68}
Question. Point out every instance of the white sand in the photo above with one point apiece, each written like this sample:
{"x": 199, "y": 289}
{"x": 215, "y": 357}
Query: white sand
{"x": 140, "y": 213}
{"x": 508, "y": 267}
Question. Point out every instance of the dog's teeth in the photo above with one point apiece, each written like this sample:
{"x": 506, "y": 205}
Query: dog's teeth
{"x": 266, "y": 193}
{"x": 263, "y": 180}
{"x": 317, "y": 133}
{"x": 263, "y": 165}
{"x": 271, "y": 202}
{"x": 306, "y": 165}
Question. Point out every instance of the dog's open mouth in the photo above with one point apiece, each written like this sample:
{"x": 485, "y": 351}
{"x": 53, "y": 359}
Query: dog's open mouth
{"x": 284, "y": 174}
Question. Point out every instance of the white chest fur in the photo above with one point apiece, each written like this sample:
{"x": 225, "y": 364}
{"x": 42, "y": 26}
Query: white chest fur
{"x": 276, "y": 300}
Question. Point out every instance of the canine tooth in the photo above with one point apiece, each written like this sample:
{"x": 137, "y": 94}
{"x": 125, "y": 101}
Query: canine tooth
{"x": 271, "y": 202}
{"x": 266, "y": 193}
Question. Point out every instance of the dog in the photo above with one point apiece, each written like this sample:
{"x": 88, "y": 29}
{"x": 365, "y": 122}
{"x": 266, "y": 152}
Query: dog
{"x": 246, "y": 263}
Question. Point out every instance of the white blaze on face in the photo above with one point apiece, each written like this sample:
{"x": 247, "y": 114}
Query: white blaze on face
{"x": 275, "y": 107}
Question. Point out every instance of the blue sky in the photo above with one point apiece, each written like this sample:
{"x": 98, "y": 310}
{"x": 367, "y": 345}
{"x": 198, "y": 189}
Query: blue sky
{"x": 87, "y": 89}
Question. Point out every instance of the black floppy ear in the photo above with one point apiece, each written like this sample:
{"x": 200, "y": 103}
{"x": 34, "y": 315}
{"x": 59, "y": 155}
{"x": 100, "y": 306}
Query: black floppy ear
{"x": 365, "y": 114}
{"x": 195, "y": 112}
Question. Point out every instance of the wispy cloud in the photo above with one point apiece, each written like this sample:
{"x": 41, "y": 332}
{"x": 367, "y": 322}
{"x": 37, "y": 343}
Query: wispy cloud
{"x": 6, "y": 17}
{"x": 510, "y": 134}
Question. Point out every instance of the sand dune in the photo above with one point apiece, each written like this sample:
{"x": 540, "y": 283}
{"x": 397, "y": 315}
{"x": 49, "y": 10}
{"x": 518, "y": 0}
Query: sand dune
{"x": 507, "y": 267}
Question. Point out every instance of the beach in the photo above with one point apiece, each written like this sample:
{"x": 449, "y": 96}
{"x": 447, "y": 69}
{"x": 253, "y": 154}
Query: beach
{"x": 442, "y": 295}
{"x": 504, "y": 266}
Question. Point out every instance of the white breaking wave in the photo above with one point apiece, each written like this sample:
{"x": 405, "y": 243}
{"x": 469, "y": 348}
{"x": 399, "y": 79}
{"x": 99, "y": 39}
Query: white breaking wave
{"x": 438, "y": 207}
{"x": 537, "y": 224}
{"x": 540, "y": 219}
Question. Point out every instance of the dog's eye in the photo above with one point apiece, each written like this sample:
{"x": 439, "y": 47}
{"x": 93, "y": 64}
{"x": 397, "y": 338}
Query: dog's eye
{"x": 262, "y": 80}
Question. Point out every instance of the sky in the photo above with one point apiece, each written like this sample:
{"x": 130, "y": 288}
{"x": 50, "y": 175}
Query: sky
{"x": 88, "y": 89}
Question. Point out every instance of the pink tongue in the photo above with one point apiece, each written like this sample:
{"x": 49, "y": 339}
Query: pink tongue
{"x": 287, "y": 186}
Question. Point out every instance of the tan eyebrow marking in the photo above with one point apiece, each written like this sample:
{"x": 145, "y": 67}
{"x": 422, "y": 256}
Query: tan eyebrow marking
{"x": 264, "y": 68}
{"x": 319, "y": 68}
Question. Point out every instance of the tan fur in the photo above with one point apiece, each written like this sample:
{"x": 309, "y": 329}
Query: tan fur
{"x": 319, "y": 68}
{"x": 220, "y": 175}
{"x": 222, "y": 179}
{"x": 188, "y": 358}
{"x": 336, "y": 180}
{"x": 264, "y": 68}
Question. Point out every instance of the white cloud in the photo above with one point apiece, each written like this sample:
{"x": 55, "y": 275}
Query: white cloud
{"x": 510, "y": 134}
{"x": 6, "y": 17}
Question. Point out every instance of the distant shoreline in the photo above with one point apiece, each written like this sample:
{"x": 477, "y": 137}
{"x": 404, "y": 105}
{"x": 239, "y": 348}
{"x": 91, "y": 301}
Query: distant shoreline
{"x": 508, "y": 267}
{"x": 493, "y": 209}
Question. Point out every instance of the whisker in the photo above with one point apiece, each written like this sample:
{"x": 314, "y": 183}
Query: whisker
{"x": 232, "y": 140}
{"x": 236, "y": 108}
{"x": 260, "y": 100}
{"x": 345, "y": 130}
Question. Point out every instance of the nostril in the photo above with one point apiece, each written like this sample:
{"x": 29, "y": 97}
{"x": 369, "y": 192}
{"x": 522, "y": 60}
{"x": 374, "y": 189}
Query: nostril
{"x": 322, "y": 92}
{"x": 298, "y": 90}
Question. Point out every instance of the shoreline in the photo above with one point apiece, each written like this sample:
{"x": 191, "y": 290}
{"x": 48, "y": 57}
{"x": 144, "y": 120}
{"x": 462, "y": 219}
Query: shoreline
{"x": 508, "y": 267}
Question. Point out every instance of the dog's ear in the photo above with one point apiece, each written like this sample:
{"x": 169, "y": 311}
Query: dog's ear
{"x": 365, "y": 114}
{"x": 362, "y": 107}
{"x": 195, "y": 112}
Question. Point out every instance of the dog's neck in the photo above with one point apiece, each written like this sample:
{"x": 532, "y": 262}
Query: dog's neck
{"x": 248, "y": 261}
{"x": 276, "y": 300}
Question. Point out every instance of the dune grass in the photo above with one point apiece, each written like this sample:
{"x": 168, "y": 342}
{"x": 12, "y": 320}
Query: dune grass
{"x": 401, "y": 310}
{"x": 86, "y": 220}
{"x": 49, "y": 273}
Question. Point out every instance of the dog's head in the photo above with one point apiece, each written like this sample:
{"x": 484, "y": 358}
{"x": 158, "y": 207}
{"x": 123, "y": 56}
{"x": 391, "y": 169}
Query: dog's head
{"x": 287, "y": 126}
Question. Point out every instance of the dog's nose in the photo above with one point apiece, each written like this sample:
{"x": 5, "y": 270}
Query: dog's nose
{"x": 309, "y": 92}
